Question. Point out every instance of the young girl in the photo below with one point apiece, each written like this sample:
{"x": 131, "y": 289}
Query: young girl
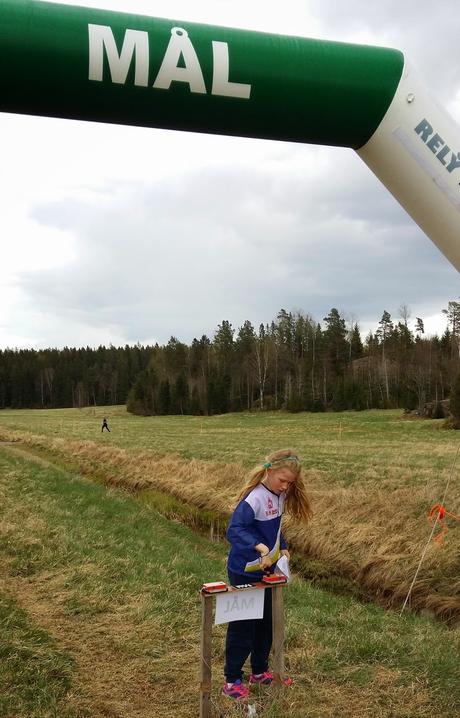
{"x": 257, "y": 543}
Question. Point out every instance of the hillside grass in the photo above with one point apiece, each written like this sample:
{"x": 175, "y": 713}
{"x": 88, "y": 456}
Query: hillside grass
{"x": 101, "y": 593}
{"x": 373, "y": 477}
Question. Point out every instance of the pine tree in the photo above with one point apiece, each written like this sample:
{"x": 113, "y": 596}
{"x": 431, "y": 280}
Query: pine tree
{"x": 262, "y": 355}
{"x": 454, "y": 402}
{"x": 384, "y": 332}
{"x": 453, "y": 318}
{"x": 356, "y": 344}
{"x": 335, "y": 355}
{"x": 336, "y": 341}
{"x": 419, "y": 327}
{"x": 244, "y": 353}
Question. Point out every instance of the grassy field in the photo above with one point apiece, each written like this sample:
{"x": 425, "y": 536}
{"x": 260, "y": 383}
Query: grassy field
{"x": 101, "y": 616}
{"x": 346, "y": 446}
{"x": 373, "y": 477}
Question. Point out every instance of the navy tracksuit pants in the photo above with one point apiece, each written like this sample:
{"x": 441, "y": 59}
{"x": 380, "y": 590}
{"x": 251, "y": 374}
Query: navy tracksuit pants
{"x": 248, "y": 638}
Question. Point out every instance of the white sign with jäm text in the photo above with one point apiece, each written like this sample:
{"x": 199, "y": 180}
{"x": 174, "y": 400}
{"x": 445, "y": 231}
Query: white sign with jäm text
{"x": 239, "y": 606}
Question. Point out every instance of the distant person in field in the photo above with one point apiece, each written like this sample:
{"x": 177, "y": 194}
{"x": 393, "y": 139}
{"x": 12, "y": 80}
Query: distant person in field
{"x": 105, "y": 425}
{"x": 257, "y": 543}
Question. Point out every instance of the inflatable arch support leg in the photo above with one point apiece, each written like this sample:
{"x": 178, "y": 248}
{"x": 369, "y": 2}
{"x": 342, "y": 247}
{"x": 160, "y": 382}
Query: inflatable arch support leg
{"x": 415, "y": 152}
{"x": 86, "y": 64}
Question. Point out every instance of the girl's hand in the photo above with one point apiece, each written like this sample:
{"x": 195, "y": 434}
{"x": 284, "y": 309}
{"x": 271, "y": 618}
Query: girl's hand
{"x": 265, "y": 562}
{"x": 285, "y": 552}
{"x": 261, "y": 548}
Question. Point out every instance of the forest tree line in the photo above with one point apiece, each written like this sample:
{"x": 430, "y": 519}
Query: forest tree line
{"x": 297, "y": 364}
{"x": 58, "y": 378}
{"x": 293, "y": 363}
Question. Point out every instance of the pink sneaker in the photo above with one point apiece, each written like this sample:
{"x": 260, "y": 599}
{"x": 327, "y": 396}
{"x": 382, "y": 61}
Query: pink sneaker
{"x": 266, "y": 679}
{"x": 237, "y": 690}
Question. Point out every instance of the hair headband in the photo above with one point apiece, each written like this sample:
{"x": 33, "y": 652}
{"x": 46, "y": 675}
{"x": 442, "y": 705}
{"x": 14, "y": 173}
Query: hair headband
{"x": 269, "y": 464}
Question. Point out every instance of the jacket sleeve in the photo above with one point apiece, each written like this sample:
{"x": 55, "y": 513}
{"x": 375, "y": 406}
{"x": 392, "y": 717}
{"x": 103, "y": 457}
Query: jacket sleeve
{"x": 283, "y": 543}
{"x": 240, "y": 532}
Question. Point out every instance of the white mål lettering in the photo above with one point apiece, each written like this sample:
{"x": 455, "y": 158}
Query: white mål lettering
{"x": 180, "y": 62}
{"x": 220, "y": 84}
{"x": 180, "y": 46}
{"x": 135, "y": 43}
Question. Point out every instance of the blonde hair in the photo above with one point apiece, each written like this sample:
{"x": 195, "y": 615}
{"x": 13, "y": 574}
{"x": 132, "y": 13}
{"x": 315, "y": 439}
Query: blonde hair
{"x": 297, "y": 504}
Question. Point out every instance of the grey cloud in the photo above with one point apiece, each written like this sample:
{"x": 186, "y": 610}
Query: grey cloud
{"x": 426, "y": 33}
{"x": 179, "y": 256}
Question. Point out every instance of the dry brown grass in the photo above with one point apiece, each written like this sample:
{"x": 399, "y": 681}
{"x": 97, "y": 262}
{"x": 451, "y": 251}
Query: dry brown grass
{"x": 372, "y": 531}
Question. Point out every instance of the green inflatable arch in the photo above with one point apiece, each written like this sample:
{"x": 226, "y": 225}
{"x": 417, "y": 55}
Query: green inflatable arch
{"x": 86, "y": 64}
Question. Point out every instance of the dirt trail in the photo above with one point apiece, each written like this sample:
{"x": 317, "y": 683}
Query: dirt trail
{"x": 15, "y": 447}
{"x": 110, "y": 681}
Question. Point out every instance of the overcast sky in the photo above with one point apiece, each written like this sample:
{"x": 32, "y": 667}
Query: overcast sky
{"x": 117, "y": 234}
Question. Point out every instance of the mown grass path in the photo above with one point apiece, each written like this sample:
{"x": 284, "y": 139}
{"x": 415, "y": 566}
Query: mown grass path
{"x": 111, "y": 589}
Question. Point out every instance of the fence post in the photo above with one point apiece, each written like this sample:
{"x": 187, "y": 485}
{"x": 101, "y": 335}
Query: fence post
{"x": 206, "y": 641}
{"x": 278, "y": 634}
{"x": 206, "y": 655}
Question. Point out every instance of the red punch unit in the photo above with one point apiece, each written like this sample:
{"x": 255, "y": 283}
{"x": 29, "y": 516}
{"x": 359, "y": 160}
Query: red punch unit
{"x": 274, "y": 578}
{"x": 214, "y": 587}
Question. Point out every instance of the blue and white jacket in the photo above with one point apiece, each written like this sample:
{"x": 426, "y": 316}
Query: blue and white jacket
{"x": 256, "y": 519}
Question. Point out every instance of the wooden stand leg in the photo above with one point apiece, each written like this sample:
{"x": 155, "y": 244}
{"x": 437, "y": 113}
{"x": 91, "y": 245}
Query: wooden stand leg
{"x": 206, "y": 656}
{"x": 278, "y": 634}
